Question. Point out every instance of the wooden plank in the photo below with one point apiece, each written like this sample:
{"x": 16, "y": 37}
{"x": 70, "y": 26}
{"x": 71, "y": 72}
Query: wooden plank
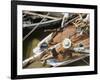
{"x": 36, "y": 14}
{"x": 43, "y": 23}
{"x": 28, "y": 61}
{"x": 69, "y": 61}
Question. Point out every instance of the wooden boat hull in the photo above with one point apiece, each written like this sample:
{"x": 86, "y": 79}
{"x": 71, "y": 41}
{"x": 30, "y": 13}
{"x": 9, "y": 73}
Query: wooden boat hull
{"x": 57, "y": 40}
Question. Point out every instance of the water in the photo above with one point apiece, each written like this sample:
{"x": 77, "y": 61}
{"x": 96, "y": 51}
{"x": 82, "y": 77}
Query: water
{"x": 31, "y": 42}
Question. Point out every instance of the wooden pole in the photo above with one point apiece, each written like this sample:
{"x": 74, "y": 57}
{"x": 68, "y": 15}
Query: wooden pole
{"x": 43, "y": 23}
{"x": 46, "y": 16}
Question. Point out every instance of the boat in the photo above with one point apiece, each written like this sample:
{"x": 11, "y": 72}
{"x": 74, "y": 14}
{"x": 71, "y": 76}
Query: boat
{"x": 65, "y": 44}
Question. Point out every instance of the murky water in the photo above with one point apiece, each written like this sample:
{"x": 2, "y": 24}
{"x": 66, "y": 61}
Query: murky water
{"x": 31, "y": 42}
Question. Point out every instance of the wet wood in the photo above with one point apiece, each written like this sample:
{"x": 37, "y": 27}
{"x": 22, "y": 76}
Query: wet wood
{"x": 46, "y": 23}
{"x": 67, "y": 31}
{"x": 71, "y": 60}
{"x": 36, "y": 14}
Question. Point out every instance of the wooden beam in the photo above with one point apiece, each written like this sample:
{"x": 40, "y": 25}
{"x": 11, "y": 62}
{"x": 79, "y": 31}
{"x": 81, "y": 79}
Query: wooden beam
{"x": 36, "y": 14}
{"x": 43, "y": 23}
{"x": 28, "y": 61}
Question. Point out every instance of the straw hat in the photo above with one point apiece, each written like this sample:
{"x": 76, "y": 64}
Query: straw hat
{"x": 66, "y": 43}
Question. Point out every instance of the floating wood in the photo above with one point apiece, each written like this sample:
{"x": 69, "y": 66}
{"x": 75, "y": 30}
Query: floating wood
{"x": 47, "y": 23}
{"x": 36, "y": 14}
